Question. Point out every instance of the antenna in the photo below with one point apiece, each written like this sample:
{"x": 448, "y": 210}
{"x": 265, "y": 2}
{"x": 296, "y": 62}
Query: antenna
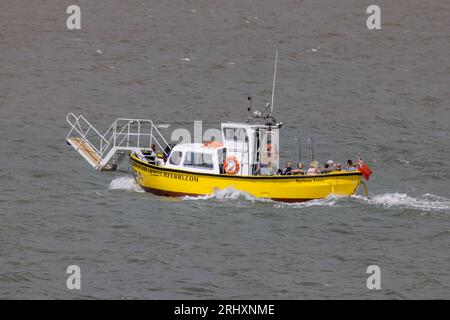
{"x": 274, "y": 76}
{"x": 312, "y": 148}
{"x": 299, "y": 140}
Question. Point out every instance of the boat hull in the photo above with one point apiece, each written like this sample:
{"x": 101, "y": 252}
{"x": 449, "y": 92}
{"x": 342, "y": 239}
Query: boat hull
{"x": 295, "y": 188}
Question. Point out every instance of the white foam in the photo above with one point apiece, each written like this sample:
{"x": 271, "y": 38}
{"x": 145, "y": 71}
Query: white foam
{"x": 228, "y": 193}
{"x": 329, "y": 201}
{"x": 426, "y": 202}
{"x": 125, "y": 183}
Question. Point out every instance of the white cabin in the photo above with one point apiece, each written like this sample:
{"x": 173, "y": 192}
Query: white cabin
{"x": 196, "y": 157}
{"x": 255, "y": 147}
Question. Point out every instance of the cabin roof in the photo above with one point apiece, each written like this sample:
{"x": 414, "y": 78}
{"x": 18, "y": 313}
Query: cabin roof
{"x": 196, "y": 147}
{"x": 242, "y": 125}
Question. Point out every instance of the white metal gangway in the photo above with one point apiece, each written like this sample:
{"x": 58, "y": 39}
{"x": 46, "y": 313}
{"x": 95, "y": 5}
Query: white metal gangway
{"x": 106, "y": 151}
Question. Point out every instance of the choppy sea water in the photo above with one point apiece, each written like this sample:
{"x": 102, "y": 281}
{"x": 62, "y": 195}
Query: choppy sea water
{"x": 381, "y": 93}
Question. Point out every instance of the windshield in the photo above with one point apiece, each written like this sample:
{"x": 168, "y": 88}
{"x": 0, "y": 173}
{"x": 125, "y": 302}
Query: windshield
{"x": 199, "y": 160}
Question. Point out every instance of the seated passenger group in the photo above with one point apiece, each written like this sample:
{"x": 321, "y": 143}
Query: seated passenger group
{"x": 314, "y": 168}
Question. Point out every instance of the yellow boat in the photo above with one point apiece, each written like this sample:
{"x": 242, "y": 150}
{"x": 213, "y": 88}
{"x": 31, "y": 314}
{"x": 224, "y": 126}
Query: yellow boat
{"x": 246, "y": 159}
{"x": 243, "y": 156}
{"x": 287, "y": 188}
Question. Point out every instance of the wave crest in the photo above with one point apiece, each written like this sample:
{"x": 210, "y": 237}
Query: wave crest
{"x": 426, "y": 202}
{"x": 125, "y": 183}
{"x": 225, "y": 194}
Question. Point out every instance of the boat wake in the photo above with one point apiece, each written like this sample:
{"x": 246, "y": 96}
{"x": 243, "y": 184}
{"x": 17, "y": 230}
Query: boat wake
{"x": 425, "y": 203}
{"x": 125, "y": 183}
{"x": 227, "y": 194}
{"x": 330, "y": 201}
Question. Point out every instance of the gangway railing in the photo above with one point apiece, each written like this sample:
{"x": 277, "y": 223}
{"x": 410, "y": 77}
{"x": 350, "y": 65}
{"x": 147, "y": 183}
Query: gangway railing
{"x": 105, "y": 151}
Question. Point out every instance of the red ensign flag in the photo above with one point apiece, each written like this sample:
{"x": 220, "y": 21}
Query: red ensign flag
{"x": 364, "y": 169}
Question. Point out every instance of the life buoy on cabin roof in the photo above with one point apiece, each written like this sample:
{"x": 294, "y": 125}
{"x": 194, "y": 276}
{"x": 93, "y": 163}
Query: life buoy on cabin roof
{"x": 213, "y": 144}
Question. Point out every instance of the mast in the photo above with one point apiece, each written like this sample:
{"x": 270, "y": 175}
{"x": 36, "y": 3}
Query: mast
{"x": 274, "y": 77}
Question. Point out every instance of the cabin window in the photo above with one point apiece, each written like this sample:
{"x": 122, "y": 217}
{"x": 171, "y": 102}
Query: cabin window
{"x": 235, "y": 134}
{"x": 268, "y": 149}
{"x": 199, "y": 160}
{"x": 175, "y": 158}
{"x": 221, "y": 155}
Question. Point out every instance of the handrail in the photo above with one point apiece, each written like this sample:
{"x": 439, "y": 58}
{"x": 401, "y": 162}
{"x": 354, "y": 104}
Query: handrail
{"x": 90, "y": 126}
{"x": 167, "y": 144}
{"x": 126, "y": 136}
{"x": 132, "y": 131}
{"x": 152, "y": 127}
{"x": 79, "y": 130}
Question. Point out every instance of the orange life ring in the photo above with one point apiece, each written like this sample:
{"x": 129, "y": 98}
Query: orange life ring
{"x": 231, "y": 165}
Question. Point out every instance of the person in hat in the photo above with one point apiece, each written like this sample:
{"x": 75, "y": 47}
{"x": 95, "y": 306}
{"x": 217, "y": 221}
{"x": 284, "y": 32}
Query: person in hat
{"x": 328, "y": 167}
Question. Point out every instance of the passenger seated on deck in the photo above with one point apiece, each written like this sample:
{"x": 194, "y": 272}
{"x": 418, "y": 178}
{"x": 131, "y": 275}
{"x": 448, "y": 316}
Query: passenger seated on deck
{"x": 300, "y": 169}
{"x": 328, "y": 167}
{"x": 265, "y": 169}
{"x": 167, "y": 151}
{"x": 350, "y": 166}
{"x": 159, "y": 156}
{"x": 287, "y": 170}
{"x": 313, "y": 168}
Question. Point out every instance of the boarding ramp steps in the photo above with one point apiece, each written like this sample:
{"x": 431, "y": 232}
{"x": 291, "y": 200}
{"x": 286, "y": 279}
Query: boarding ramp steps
{"x": 105, "y": 151}
{"x": 115, "y": 159}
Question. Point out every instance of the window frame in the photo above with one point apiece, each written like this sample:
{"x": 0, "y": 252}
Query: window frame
{"x": 197, "y": 166}
{"x": 180, "y": 161}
